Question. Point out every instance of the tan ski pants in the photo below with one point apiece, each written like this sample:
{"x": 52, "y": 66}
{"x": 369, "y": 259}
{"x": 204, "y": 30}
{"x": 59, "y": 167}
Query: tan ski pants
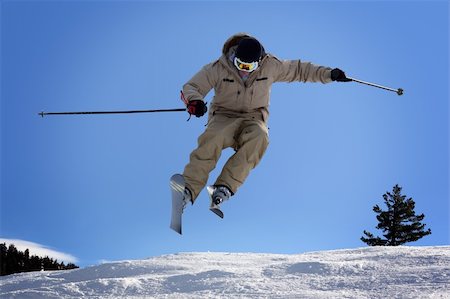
{"x": 247, "y": 135}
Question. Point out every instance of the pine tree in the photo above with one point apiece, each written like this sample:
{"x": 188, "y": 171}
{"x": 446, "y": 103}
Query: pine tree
{"x": 3, "y": 254}
{"x": 399, "y": 222}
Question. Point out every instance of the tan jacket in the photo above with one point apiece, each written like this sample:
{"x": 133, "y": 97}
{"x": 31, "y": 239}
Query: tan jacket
{"x": 234, "y": 96}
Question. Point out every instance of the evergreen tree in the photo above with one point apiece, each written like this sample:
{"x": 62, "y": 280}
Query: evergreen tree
{"x": 27, "y": 260}
{"x": 12, "y": 261}
{"x": 35, "y": 263}
{"x": 3, "y": 251}
{"x": 399, "y": 222}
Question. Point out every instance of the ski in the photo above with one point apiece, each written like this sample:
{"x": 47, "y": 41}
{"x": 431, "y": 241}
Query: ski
{"x": 177, "y": 186}
{"x": 213, "y": 207}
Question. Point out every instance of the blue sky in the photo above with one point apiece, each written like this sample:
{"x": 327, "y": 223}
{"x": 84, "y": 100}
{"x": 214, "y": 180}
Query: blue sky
{"x": 96, "y": 187}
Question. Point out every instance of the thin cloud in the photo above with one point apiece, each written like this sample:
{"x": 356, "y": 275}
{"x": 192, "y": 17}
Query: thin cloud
{"x": 40, "y": 250}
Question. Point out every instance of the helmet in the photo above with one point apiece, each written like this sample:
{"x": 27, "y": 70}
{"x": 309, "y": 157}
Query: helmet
{"x": 248, "y": 54}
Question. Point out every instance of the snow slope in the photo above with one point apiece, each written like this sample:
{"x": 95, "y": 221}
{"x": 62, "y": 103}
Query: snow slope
{"x": 372, "y": 272}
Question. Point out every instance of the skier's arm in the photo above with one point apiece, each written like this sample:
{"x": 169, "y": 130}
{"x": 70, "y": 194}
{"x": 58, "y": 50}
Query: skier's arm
{"x": 200, "y": 84}
{"x": 295, "y": 70}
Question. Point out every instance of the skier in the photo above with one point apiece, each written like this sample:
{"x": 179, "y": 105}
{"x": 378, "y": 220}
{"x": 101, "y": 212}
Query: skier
{"x": 238, "y": 114}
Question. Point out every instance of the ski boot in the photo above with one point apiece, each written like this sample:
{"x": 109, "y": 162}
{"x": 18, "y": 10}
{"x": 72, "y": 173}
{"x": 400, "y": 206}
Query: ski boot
{"x": 218, "y": 194}
{"x": 187, "y": 197}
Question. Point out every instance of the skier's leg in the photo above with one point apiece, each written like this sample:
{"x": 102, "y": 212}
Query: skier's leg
{"x": 218, "y": 135}
{"x": 252, "y": 142}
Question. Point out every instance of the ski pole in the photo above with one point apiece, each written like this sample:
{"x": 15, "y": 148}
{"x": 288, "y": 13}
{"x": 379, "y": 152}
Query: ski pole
{"x": 111, "y": 112}
{"x": 42, "y": 114}
{"x": 399, "y": 91}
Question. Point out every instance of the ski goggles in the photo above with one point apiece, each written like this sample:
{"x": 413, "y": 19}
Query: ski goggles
{"x": 245, "y": 66}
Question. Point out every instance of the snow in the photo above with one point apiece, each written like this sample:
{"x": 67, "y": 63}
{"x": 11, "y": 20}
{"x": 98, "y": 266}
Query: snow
{"x": 371, "y": 272}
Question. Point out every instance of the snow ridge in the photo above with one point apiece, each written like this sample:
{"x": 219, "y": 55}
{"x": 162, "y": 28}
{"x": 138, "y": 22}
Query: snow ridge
{"x": 371, "y": 272}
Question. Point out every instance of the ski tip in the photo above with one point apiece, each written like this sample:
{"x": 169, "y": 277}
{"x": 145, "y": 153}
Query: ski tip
{"x": 177, "y": 182}
{"x": 176, "y": 176}
{"x": 217, "y": 212}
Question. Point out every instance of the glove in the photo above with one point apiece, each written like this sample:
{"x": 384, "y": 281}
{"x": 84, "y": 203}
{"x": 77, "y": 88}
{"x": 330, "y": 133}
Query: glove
{"x": 339, "y": 75}
{"x": 197, "y": 108}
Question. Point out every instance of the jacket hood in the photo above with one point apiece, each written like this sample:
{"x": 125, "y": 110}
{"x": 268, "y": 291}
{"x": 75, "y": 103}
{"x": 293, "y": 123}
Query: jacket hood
{"x": 234, "y": 41}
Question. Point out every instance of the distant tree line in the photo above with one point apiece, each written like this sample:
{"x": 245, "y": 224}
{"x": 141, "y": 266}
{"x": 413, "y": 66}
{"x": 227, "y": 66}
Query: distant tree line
{"x": 15, "y": 261}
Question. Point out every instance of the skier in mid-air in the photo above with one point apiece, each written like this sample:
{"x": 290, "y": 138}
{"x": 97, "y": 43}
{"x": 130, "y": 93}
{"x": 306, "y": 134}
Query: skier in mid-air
{"x": 238, "y": 114}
